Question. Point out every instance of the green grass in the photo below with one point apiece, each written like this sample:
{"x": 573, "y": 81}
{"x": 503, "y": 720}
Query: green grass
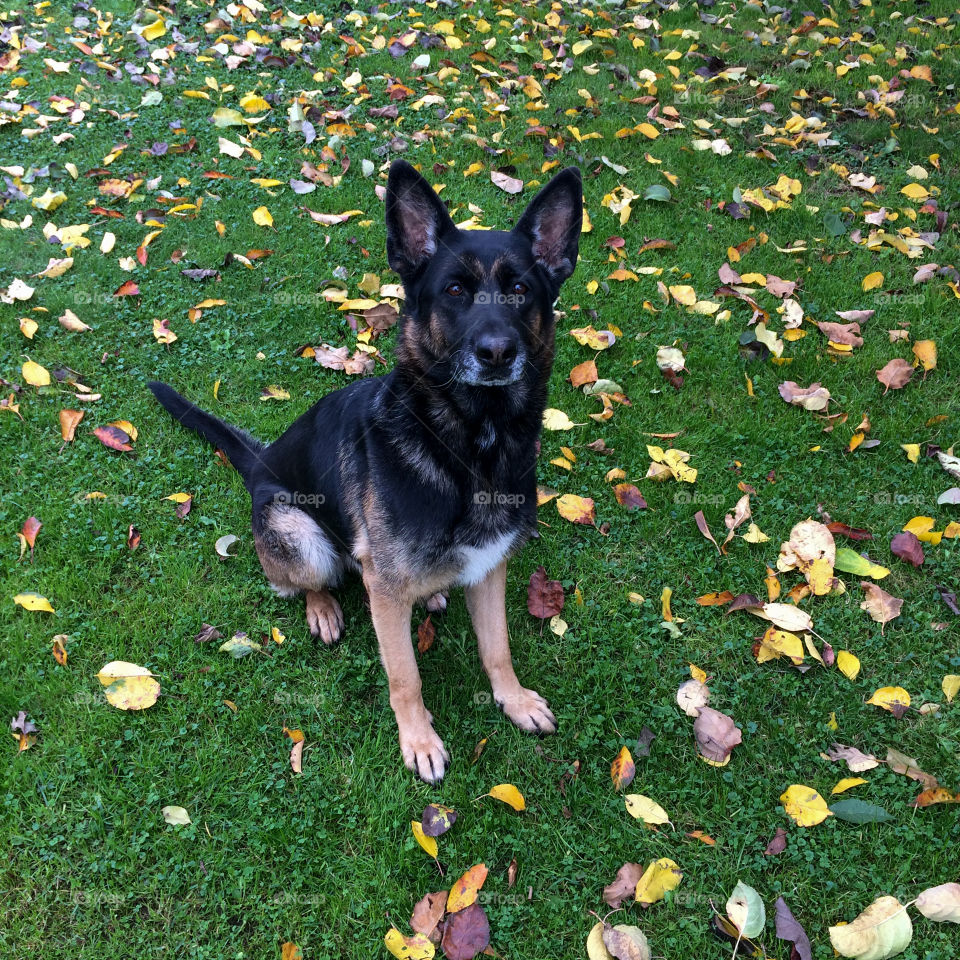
{"x": 326, "y": 858}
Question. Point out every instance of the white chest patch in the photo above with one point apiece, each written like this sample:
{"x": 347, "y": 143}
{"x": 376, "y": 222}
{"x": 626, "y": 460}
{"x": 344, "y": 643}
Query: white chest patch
{"x": 479, "y": 561}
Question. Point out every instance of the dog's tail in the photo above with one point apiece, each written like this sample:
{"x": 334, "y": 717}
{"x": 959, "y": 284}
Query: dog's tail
{"x": 242, "y": 450}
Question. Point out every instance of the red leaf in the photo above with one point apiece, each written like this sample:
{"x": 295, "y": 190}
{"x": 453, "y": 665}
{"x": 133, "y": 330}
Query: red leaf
{"x": 466, "y": 933}
{"x": 113, "y": 437}
{"x": 907, "y": 547}
{"x": 127, "y": 289}
{"x": 544, "y": 597}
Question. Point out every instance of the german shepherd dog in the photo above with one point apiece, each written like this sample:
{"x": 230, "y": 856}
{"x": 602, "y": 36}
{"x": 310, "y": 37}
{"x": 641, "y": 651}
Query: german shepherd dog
{"x": 424, "y": 478}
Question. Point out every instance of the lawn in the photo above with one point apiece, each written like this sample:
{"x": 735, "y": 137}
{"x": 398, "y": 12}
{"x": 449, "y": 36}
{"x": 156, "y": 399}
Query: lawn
{"x": 757, "y": 144}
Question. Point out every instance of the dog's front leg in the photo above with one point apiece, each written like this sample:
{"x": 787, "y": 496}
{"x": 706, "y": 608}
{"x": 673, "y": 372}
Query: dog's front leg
{"x": 423, "y": 751}
{"x": 486, "y": 602}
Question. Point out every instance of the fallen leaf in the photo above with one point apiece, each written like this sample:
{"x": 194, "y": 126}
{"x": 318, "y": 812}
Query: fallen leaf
{"x": 882, "y": 930}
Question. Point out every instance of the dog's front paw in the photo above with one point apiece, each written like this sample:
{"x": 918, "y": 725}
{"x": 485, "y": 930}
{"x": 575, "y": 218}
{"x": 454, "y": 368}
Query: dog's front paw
{"x": 423, "y": 751}
{"x": 528, "y": 710}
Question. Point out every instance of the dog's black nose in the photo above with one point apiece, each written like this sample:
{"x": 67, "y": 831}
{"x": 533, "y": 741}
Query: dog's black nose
{"x": 494, "y": 351}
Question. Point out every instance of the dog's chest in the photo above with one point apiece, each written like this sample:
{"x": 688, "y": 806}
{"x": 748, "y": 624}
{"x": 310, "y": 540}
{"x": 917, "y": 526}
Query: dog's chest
{"x": 477, "y": 562}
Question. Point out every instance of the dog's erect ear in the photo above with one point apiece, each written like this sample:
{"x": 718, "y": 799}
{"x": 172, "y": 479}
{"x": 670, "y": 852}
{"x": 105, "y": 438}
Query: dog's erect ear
{"x": 552, "y": 223}
{"x": 416, "y": 220}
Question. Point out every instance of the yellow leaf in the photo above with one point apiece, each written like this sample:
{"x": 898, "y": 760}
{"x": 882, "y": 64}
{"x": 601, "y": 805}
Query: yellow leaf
{"x": 178, "y": 497}
{"x": 912, "y": 450}
{"x": 882, "y": 930}
{"x": 915, "y": 191}
{"x": 417, "y": 947}
{"x": 922, "y": 529}
{"x": 35, "y": 375}
{"x": 926, "y": 353}
{"x": 872, "y": 280}
{"x": 848, "y": 664}
{"x": 128, "y": 686}
{"x": 155, "y": 30}
{"x": 648, "y": 130}
{"x": 176, "y": 816}
{"x": 950, "y": 686}
{"x": 33, "y": 601}
{"x": 643, "y": 808}
{"x": 509, "y": 794}
{"x": 428, "y": 843}
{"x": 580, "y": 46}
{"x": 464, "y": 891}
{"x": 659, "y": 877}
{"x": 28, "y": 327}
{"x": 847, "y": 783}
{"x": 262, "y": 218}
{"x": 576, "y": 509}
{"x": 683, "y": 294}
{"x": 805, "y": 805}
{"x": 556, "y": 420}
{"x": 894, "y": 699}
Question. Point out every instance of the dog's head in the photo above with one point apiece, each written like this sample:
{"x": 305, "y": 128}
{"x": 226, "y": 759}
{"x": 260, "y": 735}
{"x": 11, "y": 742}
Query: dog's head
{"x": 480, "y": 302}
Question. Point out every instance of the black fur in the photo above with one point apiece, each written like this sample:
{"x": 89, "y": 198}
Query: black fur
{"x": 440, "y": 453}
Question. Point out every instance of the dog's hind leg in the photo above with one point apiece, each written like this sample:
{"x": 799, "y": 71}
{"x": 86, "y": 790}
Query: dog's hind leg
{"x": 297, "y": 556}
{"x": 324, "y": 616}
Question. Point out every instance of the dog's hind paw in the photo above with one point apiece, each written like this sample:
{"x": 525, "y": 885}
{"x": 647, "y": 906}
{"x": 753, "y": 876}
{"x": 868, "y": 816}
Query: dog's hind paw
{"x": 324, "y": 616}
{"x": 424, "y": 753}
{"x": 528, "y": 710}
{"x": 437, "y": 603}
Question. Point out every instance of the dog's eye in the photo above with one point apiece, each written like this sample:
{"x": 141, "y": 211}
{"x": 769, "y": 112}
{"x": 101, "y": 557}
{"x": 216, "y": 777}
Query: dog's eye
{"x": 519, "y": 288}
{"x": 455, "y": 289}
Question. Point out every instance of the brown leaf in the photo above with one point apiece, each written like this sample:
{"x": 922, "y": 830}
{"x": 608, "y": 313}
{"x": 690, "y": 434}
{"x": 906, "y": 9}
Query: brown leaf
{"x": 207, "y": 634}
{"x": 813, "y": 397}
{"x": 704, "y": 529}
{"x": 505, "y": 182}
{"x": 777, "y": 844}
{"x": 68, "y": 423}
{"x": 624, "y": 885}
{"x": 851, "y": 533}
{"x": 856, "y": 760}
{"x": 544, "y": 597}
{"x": 716, "y": 735}
{"x": 895, "y": 375}
{"x": 848, "y": 333}
{"x": 466, "y": 933}
{"x": 900, "y": 763}
{"x": 133, "y": 537}
{"x": 629, "y": 496}
{"x": 426, "y": 633}
{"x": 428, "y": 913}
{"x": 907, "y": 547}
{"x": 582, "y": 373}
{"x": 881, "y": 606}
